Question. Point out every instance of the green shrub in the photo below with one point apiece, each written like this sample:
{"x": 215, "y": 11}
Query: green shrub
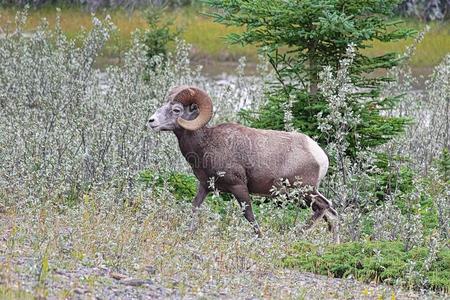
{"x": 158, "y": 34}
{"x": 443, "y": 165}
{"x": 300, "y": 39}
{"x": 393, "y": 176}
{"x": 181, "y": 185}
{"x": 380, "y": 261}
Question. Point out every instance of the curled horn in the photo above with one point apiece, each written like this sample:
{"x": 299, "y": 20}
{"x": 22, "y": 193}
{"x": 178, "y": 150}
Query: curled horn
{"x": 189, "y": 95}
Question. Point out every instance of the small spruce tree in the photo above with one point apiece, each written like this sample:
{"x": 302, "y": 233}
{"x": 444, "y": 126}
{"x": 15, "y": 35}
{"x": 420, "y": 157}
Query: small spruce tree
{"x": 300, "y": 38}
{"x": 158, "y": 34}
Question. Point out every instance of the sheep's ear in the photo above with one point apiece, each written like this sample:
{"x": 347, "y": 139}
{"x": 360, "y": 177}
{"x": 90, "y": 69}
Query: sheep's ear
{"x": 193, "y": 107}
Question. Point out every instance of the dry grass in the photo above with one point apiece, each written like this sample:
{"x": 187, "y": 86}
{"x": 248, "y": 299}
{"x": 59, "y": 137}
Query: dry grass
{"x": 222, "y": 258}
{"x": 208, "y": 38}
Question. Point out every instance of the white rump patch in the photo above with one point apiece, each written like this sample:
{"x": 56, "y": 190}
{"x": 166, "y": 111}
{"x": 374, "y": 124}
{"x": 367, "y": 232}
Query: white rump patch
{"x": 320, "y": 157}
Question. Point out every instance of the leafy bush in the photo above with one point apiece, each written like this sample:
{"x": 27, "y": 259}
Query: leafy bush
{"x": 394, "y": 177}
{"x": 67, "y": 128}
{"x": 380, "y": 261}
{"x": 443, "y": 164}
{"x": 181, "y": 185}
{"x": 428, "y": 136}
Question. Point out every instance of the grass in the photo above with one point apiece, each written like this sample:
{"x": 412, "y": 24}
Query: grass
{"x": 7, "y": 293}
{"x": 208, "y": 38}
{"x": 380, "y": 261}
{"x": 430, "y": 51}
{"x": 151, "y": 232}
{"x": 222, "y": 257}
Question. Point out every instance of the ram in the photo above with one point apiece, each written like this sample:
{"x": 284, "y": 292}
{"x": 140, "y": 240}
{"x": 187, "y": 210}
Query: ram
{"x": 243, "y": 160}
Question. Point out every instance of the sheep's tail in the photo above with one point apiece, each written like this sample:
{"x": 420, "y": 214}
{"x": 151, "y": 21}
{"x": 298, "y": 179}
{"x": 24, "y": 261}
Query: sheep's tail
{"x": 330, "y": 208}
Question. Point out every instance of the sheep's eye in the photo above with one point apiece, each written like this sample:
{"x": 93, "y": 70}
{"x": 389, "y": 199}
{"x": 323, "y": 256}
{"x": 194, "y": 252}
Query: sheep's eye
{"x": 176, "y": 110}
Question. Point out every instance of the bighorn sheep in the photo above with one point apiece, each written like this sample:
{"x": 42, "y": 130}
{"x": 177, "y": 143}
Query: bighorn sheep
{"x": 249, "y": 160}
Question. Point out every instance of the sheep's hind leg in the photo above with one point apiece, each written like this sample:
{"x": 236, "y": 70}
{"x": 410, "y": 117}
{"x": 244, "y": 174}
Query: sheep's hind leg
{"x": 331, "y": 217}
{"x": 319, "y": 207}
{"x": 319, "y": 212}
{"x": 243, "y": 197}
{"x": 322, "y": 209}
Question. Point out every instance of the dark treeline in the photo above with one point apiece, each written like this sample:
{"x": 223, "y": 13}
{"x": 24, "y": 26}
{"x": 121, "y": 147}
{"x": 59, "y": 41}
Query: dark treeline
{"x": 425, "y": 10}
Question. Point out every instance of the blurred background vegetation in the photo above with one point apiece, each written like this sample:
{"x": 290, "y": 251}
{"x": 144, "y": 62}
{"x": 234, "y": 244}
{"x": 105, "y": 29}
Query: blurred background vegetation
{"x": 187, "y": 19}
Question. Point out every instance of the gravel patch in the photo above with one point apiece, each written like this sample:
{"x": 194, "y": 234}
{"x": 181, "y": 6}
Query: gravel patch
{"x": 93, "y": 282}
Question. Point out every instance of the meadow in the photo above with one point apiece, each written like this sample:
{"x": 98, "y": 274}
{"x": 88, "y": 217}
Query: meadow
{"x": 208, "y": 39}
{"x": 92, "y": 204}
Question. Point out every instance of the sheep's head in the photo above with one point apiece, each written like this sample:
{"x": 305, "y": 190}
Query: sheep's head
{"x": 187, "y": 107}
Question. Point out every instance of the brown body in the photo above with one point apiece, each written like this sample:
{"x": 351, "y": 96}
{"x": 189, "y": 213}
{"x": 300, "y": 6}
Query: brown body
{"x": 253, "y": 157}
{"x": 242, "y": 160}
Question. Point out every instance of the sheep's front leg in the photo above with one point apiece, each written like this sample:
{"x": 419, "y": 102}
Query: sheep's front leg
{"x": 243, "y": 197}
{"x": 202, "y": 192}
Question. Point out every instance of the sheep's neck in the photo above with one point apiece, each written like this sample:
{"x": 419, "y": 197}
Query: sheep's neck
{"x": 189, "y": 141}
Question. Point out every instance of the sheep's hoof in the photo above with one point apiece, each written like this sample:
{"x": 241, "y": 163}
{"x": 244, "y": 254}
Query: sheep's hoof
{"x": 257, "y": 229}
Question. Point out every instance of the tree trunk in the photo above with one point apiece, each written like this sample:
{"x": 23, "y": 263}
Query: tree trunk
{"x": 313, "y": 71}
